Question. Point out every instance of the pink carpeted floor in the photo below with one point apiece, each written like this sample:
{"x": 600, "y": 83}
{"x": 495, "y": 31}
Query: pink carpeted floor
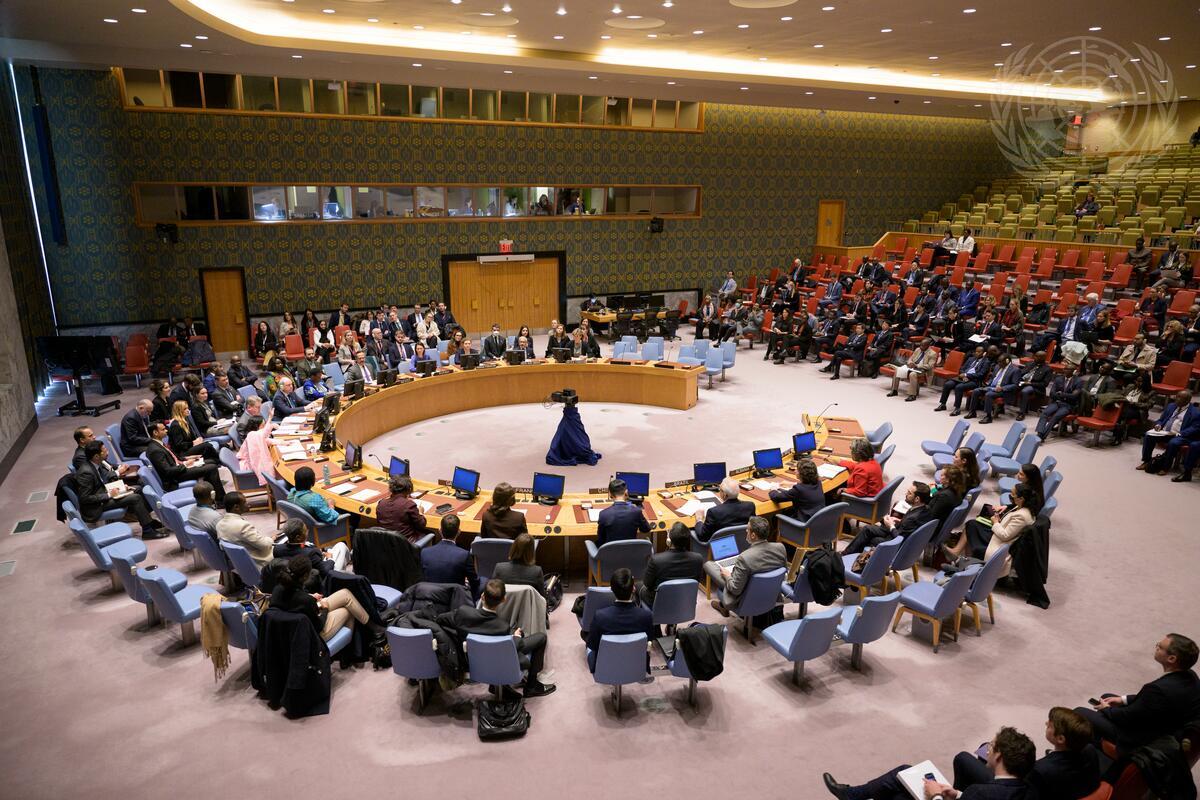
{"x": 93, "y": 703}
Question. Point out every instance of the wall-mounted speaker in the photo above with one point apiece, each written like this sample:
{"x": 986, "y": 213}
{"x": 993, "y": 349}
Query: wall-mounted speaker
{"x": 167, "y": 233}
{"x": 656, "y": 225}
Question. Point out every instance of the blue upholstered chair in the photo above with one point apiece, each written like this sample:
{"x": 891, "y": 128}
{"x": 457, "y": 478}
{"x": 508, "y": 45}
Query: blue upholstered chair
{"x": 150, "y": 477}
{"x": 760, "y": 596}
{"x": 633, "y": 554}
{"x": 125, "y": 567}
{"x": 799, "y": 591}
{"x": 102, "y": 555}
{"x": 596, "y": 598}
{"x": 244, "y": 480}
{"x": 701, "y": 347}
{"x": 687, "y": 355}
{"x": 953, "y": 522}
{"x": 909, "y": 554}
{"x": 630, "y": 342}
{"x": 866, "y": 623}
{"x": 1047, "y": 467}
{"x": 973, "y": 442}
{"x": 728, "y": 355}
{"x": 877, "y": 569}
{"x": 414, "y": 656}
{"x": 679, "y": 668}
{"x": 714, "y": 364}
{"x": 493, "y": 660}
{"x": 323, "y": 534}
{"x": 173, "y": 518}
{"x": 983, "y": 585}
{"x": 871, "y": 509}
{"x": 1007, "y": 447}
{"x": 333, "y": 371}
{"x": 933, "y": 603}
{"x": 653, "y": 350}
{"x": 242, "y": 625}
{"x": 883, "y": 457}
{"x": 246, "y": 392}
{"x": 800, "y": 640}
{"x": 880, "y": 435}
{"x": 210, "y": 552}
{"x": 1024, "y": 455}
{"x": 114, "y": 441}
{"x": 675, "y": 602}
{"x": 110, "y": 532}
{"x": 820, "y": 529}
{"x": 182, "y": 607}
{"x": 620, "y": 660}
{"x": 277, "y": 489}
{"x": 111, "y": 515}
{"x": 487, "y": 554}
{"x": 933, "y": 446}
{"x": 246, "y": 567}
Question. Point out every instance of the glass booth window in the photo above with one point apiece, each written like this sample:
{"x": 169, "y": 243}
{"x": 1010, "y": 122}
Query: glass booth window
{"x": 327, "y": 97}
{"x": 393, "y": 100}
{"x": 158, "y": 203}
{"x": 368, "y": 202}
{"x": 183, "y": 89}
{"x": 566, "y": 108}
{"x": 430, "y": 201}
{"x": 360, "y": 98}
{"x": 456, "y": 103}
{"x": 258, "y": 93}
{"x": 512, "y": 106}
{"x": 424, "y": 101}
{"x": 269, "y": 203}
{"x": 335, "y": 202}
{"x": 304, "y": 202}
{"x": 220, "y": 91}
{"x": 198, "y": 203}
{"x": 233, "y": 202}
{"x": 143, "y": 87}
{"x": 539, "y": 106}
{"x": 294, "y": 95}
{"x": 484, "y": 104}
{"x": 399, "y": 201}
{"x": 518, "y": 201}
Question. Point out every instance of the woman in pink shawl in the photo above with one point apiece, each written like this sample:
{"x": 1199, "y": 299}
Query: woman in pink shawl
{"x": 255, "y": 453}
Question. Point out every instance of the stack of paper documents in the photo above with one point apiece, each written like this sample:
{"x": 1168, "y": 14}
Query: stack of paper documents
{"x": 827, "y": 471}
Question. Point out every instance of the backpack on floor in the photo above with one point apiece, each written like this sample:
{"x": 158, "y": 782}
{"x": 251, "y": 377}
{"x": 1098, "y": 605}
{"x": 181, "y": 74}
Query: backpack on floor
{"x": 502, "y": 719}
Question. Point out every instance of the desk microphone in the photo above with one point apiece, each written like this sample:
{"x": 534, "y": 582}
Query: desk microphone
{"x": 378, "y": 461}
{"x": 821, "y": 416}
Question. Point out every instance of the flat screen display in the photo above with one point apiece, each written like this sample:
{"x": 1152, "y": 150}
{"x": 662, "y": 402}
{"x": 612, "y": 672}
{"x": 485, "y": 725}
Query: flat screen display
{"x": 709, "y": 472}
{"x": 546, "y": 485}
{"x": 771, "y": 458}
{"x": 638, "y": 482}
{"x": 465, "y": 480}
{"x": 804, "y": 443}
{"x": 398, "y": 467}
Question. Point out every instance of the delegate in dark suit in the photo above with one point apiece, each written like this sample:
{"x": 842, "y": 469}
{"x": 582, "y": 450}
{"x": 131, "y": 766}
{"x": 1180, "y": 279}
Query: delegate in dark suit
{"x": 494, "y": 346}
{"x": 670, "y": 565}
{"x": 617, "y": 619}
{"x": 94, "y": 499}
{"x": 171, "y": 471}
{"x": 469, "y": 619}
{"x": 226, "y": 401}
{"x": 446, "y": 562}
{"x": 723, "y": 515}
{"x": 1162, "y": 707}
{"x": 852, "y": 350}
{"x": 872, "y": 535}
{"x": 135, "y": 433}
{"x": 889, "y": 787}
{"x": 287, "y": 404}
{"x": 1002, "y": 382}
{"x": 1061, "y": 774}
{"x": 521, "y": 575}
{"x": 622, "y": 520}
{"x": 806, "y": 499}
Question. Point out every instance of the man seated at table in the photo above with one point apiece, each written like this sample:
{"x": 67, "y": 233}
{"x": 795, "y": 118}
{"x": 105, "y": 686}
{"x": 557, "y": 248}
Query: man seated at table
{"x": 623, "y": 616}
{"x": 287, "y": 402}
{"x": 399, "y": 512}
{"x": 730, "y": 511}
{"x": 484, "y": 620}
{"x": 760, "y": 555}
{"x": 360, "y": 370}
{"x": 303, "y": 495}
{"x": 525, "y": 346}
{"x": 622, "y": 520}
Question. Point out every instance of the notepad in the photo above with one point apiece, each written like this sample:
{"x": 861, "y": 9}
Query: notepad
{"x": 121, "y": 487}
{"x": 913, "y": 778}
{"x": 294, "y": 455}
{"x": 341, "y": 488}
{"x": 594, "y": 514}
{"x": 827, "y": 471}
{"x": 764, "y": 485}
{"x": 689, "y": 508}
{"x": 425, "y": 506}
{"x": 705, "y": 495}
{"x": 365, "y": 496}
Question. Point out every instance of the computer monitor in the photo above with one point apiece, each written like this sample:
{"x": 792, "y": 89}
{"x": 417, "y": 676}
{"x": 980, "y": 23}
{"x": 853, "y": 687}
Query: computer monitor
{"x": 353, "y": 456}
{"x": 723, "y": 547}
{"x": 397, "y": 467}
{"x": 331, "y": 210}
{"x": 465, "y": 483}
{"x": 468, "y": 360}
{"x": 710, "y": 473}
{"x": 547, "y": 488}
{"x": 332, "y": 402}
{"x": 425, "y": 368}
{"x": 804, "y": 443}
{"x": 354, "y": 389}
{"x": 769, "y": 459}
{"x": 514, "y": 357}
{"x": 386, "y": 378}
{"x": 638, "y": 483}
{"x": 561, "y": 354}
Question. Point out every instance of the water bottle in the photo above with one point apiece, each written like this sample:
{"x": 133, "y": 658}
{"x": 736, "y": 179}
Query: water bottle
{"x": 325, "y": 473}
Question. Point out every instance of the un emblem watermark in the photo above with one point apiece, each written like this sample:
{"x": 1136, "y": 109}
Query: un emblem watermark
{"x": 1028, "y": 124}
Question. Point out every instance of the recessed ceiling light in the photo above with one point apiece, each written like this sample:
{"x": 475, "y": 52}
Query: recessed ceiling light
{"x": 506, "y": 8}
{"x": 562, "y": 11}
{"x": 762, "y": 58}
{"x": 968, "y": 11}
{"x": 1141, "y": 92}
{"x": 558, "y": 36}
{"x": 1095, "y": 28}
{"x": 616, "y": 9}
{"x": 201, "y": 37}
{"x": 1113, "y": 75}
{"x": 885, "y": 30}
{"x": 651, "y": 35}
{"x": 455, "y": 2}
{"x": 635, "y": 16}
{"x": 744, "y": 88}
{"x": 927, "y": 102}
{"x": 417, "y": 64}
{"x": 998, "y": 64}
{"x": 979, "y": 105}
{"x": 328, "y": 10}
{"x": 418, "y": 27}
{"x": 785, "y": 19}
{"x": 1164, "y": 80}
{"x": 818, "y": 46}
{"x": 1164, "y": 38}
{"x": 1006, "y": 44}
{"x": 372, "y": 19}
{"x": 670, "y": 83}
{"x": 487, "y": 13}
{"x": 185, "y": 44}
{"x": 1135, "y": 60}
{"x": 933, "y": 58}
{"x": 743, "y": 26}
{"x": 605, "y": 36}
{"x": 592, "y": 77}
{"x": 299, "y": 56}
{"x": 138, "y": 10}
{"x": 1073, "y": 53}
{"x": 110, "y": 20}
{"x": 1024, "y": 108}
{"x": 808, "y": 92}
{"x": 508, "y": 72}
{"x": 827, "y": 8}
{"x": 667, "y": 3}
{"x": 1190, "y": 66}
{"x": 697, "y": 33}
{"x": 872, "y": 97}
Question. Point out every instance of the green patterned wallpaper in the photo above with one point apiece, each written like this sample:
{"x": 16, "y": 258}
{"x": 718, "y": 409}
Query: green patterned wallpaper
{"x": 762, "y": 172}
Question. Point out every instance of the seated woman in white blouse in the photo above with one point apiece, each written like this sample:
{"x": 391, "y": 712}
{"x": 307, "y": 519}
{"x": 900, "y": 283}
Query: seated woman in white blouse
{"x": 1007, "y": 526}
{"x": 348, "y": 350}
{"x": 427, "y": 330}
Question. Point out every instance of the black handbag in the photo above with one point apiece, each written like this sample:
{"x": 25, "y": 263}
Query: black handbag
{"x": 502, "y": 719}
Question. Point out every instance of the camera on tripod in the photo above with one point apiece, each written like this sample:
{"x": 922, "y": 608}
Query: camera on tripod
{"x": 567, "y": 397}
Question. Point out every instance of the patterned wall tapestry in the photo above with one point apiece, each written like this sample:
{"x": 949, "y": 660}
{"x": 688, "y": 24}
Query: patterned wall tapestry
{"x": 762, "y": 172}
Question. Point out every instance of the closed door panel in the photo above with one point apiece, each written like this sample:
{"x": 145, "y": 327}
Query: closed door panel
{"x": 225, "y": 309}
{"x": 831, "y": 221}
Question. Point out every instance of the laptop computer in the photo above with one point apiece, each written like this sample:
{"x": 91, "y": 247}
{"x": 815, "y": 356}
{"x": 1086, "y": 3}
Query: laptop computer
{"x": 724, "y": 551}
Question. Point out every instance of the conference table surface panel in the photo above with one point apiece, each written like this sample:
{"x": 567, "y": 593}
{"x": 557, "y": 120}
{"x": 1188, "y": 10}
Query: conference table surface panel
{"x": 459, "y": 391}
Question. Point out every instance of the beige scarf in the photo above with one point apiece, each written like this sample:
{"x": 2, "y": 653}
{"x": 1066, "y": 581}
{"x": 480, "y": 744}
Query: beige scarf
{"x": 214, "y": 637}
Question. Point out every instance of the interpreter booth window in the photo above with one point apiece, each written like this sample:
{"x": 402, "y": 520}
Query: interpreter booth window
{"x": 393, "y": 100}
{"x": 369, "y": 202}
{"x": 336, "y": 203}
{"x": 233, "y": 202}
{"x": 304, "y": 202}
{"x": 158, "y": 203}
{"x": 399, "y": 201}
{"x": 431, "y": 201}
{"x": 258, "y": 93}
{"x": 220, "y": 91}
{"x": 143, "y": 87}
{"x": 269, "y": 203}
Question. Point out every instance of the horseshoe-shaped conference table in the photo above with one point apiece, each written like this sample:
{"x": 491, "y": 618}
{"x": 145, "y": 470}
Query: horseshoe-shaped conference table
{"x": 664, "y": 384}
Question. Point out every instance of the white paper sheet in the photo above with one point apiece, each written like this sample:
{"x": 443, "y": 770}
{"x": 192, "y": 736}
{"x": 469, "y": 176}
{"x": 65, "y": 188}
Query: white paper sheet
{"x": 365, "y": 496}
{"x": 827, "y": 471}
{"x": 690, "y": 508}
{"x": 341, "y": 488}
{"x": 913, "y": 778}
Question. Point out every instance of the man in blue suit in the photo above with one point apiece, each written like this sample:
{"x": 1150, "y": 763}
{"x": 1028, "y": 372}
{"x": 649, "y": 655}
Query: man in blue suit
{"x": 446, "y": 562}
{"x": 623, "y": 616}
{"x": 1001, "y": 383}
{"x": 622, "y": 520}
{"x": 968, "y": 299}
{"x": 1179, "y": 425}
{"x": 286, "y": 401}
{"x": 974, "y": 372}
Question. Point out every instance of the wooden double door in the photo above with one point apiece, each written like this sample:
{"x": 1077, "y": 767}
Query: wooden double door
{"x": 511, "y": 293}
